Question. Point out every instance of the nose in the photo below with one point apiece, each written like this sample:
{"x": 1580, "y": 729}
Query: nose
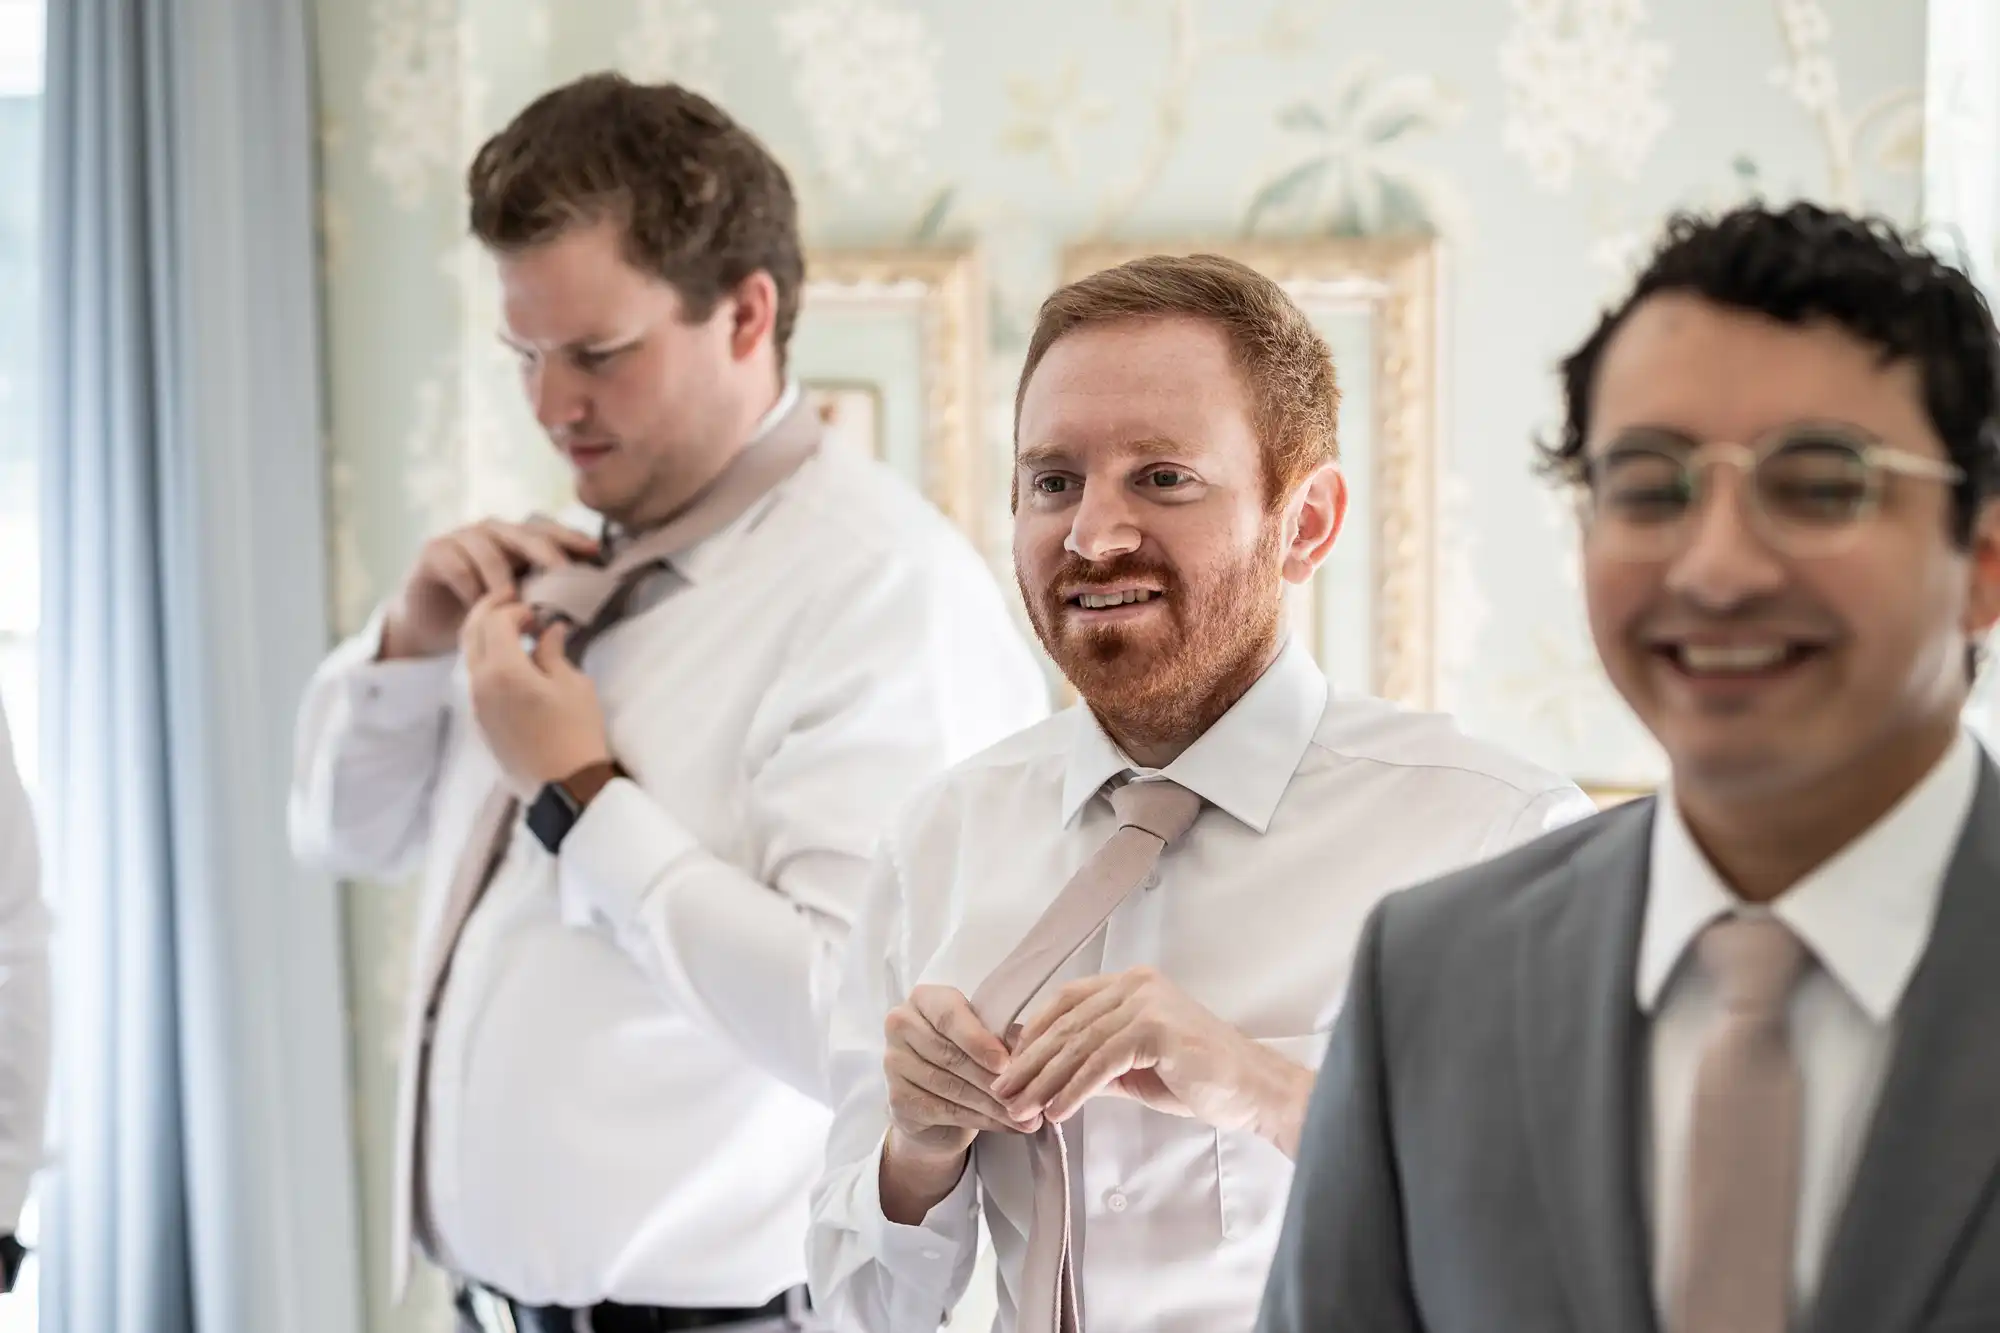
{"x": 557, "y": 401}
{"x": 1726, "y": 560}
{"x": 1103, "y": 528}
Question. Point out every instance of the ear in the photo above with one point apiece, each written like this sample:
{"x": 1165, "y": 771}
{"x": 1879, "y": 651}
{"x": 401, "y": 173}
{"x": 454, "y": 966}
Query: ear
{"x": 753, "y": 314}
{"x": 1312, "y": 522}
{"x": 1982, "y": 602}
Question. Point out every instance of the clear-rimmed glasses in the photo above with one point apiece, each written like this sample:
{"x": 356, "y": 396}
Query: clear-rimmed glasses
{"x": 1810, "y": 488}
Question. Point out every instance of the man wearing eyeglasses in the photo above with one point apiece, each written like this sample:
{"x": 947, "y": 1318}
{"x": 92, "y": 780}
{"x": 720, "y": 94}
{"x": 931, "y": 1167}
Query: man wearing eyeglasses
{"x": 1722, "y": 1060}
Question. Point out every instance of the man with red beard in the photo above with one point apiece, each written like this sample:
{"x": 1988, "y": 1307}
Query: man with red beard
{"x": 1099, "y": 961}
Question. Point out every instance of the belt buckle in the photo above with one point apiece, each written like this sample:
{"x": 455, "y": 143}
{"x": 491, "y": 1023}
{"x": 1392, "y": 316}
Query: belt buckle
{"x": 494, "y": 1313}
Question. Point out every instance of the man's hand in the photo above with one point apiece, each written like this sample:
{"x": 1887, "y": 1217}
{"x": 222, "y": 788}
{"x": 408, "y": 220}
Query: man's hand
{"x": 539, "y": 714}
{"x": 1135, "y": 1034}
{"x": 940, "y": 1062}
{"x": 454, "y": 571}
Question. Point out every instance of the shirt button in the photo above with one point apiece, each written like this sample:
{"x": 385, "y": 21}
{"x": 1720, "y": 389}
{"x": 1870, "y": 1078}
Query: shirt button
{"x": 933, "y": 1255}
{"x": 1115, "y": 1201}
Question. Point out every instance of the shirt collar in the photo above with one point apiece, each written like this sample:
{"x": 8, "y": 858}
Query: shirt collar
{"x": 1241, "y": 765}
{"x": 1865, "y": 914}
{"x": 786, "y": 401}
{"x": 691, "y": 563}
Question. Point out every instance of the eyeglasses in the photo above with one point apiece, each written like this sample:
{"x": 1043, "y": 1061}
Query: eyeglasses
{"x": 1811, "y": 488}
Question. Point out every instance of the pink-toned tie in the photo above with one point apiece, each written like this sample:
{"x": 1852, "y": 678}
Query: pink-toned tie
{"x": 1152, "y": 816}
{"x": 592, "y": 598}
{"x": 1741, "y": 1209}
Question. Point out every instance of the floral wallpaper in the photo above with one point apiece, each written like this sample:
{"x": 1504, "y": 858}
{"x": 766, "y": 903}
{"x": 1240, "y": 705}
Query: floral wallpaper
{"x": 1583, "y": 89}
{"x": 1543, "y": 139}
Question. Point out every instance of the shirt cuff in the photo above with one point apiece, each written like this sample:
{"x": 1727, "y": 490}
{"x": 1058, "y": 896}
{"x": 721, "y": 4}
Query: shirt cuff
{"x": 392, "y": 695}
{"x": 1308, "y": 1051}
{"x": 920, "y": 1259}
{"x": 620, "y": 847}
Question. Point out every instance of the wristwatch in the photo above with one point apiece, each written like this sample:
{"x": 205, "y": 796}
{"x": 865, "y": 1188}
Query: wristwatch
{"x": 12, "y": 1253}
{"x": 560, "y": 804}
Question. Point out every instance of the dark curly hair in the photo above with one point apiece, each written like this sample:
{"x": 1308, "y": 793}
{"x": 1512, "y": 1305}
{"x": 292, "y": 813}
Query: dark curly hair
{"x": 1806, "y": 263}
{"x": 703, "y": 203}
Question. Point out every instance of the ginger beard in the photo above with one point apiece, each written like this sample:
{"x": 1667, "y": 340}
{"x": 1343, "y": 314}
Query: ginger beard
{"x": 1173, "y": 676}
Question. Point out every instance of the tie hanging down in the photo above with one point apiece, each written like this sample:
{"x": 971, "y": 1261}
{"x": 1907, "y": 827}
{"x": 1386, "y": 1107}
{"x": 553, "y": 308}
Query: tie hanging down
{"x": 1152, "y": 816}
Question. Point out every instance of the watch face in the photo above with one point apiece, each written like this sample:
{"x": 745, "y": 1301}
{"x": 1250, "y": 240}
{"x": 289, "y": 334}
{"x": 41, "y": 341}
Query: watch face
{"x": 552, "y": 816}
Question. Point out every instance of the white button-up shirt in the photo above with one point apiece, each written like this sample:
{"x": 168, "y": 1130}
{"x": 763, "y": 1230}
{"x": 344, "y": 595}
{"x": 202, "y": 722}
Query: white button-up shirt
{"x": 626, "y": 1084}
{"x": 24, "y": 992}
{"x": 1865, "y": 916}
{"x": 1318, "y": 805}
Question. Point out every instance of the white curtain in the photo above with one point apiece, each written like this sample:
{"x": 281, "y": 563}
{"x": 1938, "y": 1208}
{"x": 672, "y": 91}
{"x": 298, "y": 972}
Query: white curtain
{"x": 203, "y": 1179}
{"x": 1962, "y": 195}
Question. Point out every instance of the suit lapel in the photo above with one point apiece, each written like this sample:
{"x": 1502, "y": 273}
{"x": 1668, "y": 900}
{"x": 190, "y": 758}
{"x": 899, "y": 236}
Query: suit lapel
{"x": 1934, "y": 1145}
{"x": 1579, "y": 1027}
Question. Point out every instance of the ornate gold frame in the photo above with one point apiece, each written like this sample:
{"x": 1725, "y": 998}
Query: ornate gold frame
{"x": 1401, "y": 280}
{"x": 946, "y": 287}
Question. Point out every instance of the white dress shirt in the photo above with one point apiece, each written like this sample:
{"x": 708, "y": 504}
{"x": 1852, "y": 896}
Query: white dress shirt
{"x": 24, "y": 992}
{"x": 1865, "y": 918}
{"x": 1318, "y": 806}
{"x": 627, "y": 1079}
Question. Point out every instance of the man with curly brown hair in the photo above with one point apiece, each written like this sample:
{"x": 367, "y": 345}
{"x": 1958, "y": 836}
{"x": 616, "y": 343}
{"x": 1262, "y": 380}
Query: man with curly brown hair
{"x": 642, "y": 761}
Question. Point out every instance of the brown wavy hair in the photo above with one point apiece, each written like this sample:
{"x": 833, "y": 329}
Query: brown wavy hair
{"x": 702, "y": 202}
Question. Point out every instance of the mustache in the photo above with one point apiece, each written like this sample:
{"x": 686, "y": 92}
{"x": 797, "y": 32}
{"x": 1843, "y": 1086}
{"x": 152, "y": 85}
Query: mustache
{"x": 1075, "y": 570}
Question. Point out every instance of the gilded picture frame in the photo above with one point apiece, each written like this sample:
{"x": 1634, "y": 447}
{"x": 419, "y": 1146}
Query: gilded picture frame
{"x": 1378, "y": 301}
{"x": 850, "y": 414}
{"x": 900, "y": 334}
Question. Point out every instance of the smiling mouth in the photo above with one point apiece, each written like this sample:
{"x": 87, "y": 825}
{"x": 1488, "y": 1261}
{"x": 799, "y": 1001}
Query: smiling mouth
{"x": 1736, "y": 661}
{"x": 1113, "y": 599}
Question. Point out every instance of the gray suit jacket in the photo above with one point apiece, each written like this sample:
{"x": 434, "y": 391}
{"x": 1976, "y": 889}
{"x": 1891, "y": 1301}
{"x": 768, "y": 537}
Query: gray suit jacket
{"x": 1471, "y": 1160}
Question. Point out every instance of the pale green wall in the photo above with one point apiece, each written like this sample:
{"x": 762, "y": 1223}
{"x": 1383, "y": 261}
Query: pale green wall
{"x": 1546, "y": 137}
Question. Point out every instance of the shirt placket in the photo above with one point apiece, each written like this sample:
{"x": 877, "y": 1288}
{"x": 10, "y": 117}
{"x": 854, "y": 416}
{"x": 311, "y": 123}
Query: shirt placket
{"x": 1110, "y": 1213}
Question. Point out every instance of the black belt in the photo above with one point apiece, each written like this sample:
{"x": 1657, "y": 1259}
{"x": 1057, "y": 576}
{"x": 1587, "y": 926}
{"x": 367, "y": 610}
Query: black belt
{"x": 611, "y": 1317}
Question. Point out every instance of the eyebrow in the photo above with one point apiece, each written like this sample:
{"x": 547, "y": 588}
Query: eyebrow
{"x": 574, "y": 346}
{"x": 1048, "y": 454}
{"x": 1680, "y": 435}
{"x": 1649, "y": 428}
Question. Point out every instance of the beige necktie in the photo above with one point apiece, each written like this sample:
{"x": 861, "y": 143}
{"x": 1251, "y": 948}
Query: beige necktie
{"x": 1743, "y": 1150}
{"x": 1152, "y": 816}
{"x": 592, "y": 598}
